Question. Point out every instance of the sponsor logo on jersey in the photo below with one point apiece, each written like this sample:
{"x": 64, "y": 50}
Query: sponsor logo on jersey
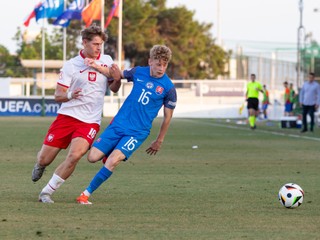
{"x": 139, "y": 80}
{"x": 50, "y": 138}
{"x": 159, "y": 90}
{"x": 149, "y": 85}
{"x": 92, "y": 76}
{"x": 81, "y": 71}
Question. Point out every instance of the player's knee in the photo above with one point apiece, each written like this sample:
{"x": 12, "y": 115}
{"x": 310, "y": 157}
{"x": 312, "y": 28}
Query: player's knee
{"x": 93, "y": 157}
{"x": 74, "y": 157}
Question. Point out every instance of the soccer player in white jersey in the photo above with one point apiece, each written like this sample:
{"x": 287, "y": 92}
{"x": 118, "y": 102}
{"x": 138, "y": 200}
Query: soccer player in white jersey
{"x": 81, "y": 89}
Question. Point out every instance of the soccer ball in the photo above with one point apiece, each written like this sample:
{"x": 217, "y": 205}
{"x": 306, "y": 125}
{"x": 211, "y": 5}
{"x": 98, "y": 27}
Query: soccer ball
{"x": 291, "y": 195}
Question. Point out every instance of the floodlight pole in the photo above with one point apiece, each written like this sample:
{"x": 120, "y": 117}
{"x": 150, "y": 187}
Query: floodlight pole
{"x": 300, "y": 32}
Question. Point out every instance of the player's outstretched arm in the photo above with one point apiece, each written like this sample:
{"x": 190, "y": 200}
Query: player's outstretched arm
{"x": 156, "y": 144}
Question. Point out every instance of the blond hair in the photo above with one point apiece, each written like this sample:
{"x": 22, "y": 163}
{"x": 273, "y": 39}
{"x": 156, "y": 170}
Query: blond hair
{"x": 161, "y": 52}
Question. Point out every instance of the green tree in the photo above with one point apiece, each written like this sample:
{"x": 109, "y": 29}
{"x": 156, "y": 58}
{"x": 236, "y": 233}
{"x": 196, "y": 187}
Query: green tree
{"x": 10, "y": 65}
{"x": 311, "y": 58}
{"x": 33, "y": 50}
{"x": 145, "y": 23}
{"x": 195, "y": 55}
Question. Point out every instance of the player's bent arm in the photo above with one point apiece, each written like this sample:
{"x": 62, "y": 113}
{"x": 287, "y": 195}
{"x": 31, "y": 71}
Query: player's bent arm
{"x": 156, "y": 144}
{"x": 167, "y": 116}
{"x": 102, "y": 69}
{"x": 62, "y": 94}
{"x": 116, "y": 74}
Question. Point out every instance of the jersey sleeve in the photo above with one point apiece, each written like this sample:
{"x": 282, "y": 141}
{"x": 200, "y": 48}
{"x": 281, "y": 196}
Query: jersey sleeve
{"x": 170, "y": 100}
{"x": 65, "y": 76}
{"x": 128, "y": 74}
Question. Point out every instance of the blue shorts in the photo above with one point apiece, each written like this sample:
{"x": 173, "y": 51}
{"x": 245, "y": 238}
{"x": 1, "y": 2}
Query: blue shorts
{"x": 114, "y": 137}
{"x": 288, "y": 107}
{"x": 264, "y": 106}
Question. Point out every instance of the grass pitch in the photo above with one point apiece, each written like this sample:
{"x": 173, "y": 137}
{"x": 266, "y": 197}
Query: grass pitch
{"x": 225, "y": 188}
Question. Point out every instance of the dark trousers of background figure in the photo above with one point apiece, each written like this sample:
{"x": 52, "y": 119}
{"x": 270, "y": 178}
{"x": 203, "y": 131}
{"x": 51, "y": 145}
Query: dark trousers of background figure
{"x": 305, "y": 111}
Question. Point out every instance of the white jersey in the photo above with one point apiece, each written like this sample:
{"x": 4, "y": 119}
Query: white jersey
{"x": 75, "y": 74}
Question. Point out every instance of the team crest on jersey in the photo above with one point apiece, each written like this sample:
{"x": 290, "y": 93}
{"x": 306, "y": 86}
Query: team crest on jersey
{"x": 92, "y": 76}
{"x": 50, "y": 137}
{"x": 149, "y": 85}
{"x": 159, "y": 90}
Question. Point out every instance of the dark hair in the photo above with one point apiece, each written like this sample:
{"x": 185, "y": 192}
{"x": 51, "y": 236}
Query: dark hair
{"x": 253, "y": 75}
{"x": 286, "y": 83}
{"x": 312, "y": 74}
{"x": 92, "y": 31}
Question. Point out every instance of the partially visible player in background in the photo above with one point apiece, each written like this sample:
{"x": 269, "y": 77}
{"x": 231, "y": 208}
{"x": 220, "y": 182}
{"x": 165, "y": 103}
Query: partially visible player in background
{"x": 287, "y": 100}
{"x": 265, "y": 102}
{"x": 152, "y": 89}
{"x": 292, "y": 98}
{"x": 81, "y": 89}
{"x": 252, "y": 97}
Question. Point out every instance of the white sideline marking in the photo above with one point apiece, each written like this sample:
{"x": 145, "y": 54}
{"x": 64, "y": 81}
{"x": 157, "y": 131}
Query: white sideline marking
{"x": 259, "y": 130}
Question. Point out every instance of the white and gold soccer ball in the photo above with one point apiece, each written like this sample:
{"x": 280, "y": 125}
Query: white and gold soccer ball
{"x": 291, "y": 195}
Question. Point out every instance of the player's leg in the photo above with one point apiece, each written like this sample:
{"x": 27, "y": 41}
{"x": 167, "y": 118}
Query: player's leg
{"x": 82, "y": 135}
{"x": 95, "y": 155}
{"x": 102, "y": 175}
{"x": 44, "y": 158}
{"x": 78, "y": 147}
{"x": 122, "y": 151}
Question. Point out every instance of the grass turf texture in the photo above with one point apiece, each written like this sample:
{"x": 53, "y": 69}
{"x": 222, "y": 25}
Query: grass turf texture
{"x": 224, "y": 189}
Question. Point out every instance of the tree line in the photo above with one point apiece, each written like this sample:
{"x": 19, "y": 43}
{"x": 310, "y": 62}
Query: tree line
{"x": 145, "y": 23}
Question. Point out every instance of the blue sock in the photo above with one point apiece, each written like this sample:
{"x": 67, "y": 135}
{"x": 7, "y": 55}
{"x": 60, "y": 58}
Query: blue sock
{"x": 98, "y": 179}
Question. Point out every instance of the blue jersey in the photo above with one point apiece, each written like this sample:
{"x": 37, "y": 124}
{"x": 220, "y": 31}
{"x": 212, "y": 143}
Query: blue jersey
{"x": 147, "y": 96}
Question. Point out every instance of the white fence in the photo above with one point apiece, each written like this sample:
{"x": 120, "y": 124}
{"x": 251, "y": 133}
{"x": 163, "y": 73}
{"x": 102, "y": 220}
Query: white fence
{"x": 196, "y": 98}
{"x": 203, "y": 99}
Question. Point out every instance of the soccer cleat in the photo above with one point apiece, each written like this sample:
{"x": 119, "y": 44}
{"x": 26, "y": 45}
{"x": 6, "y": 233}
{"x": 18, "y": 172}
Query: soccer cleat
{"x": 45, "y": 198}
{"x": 37, "y": 172}
{"x": 83, "y": 199}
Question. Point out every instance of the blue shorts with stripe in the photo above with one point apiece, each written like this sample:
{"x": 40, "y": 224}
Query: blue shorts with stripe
{"x": 114, "y": 137}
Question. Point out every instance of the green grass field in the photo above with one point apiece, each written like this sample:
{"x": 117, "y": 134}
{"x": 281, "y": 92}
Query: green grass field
{"x": 225, "y": 189}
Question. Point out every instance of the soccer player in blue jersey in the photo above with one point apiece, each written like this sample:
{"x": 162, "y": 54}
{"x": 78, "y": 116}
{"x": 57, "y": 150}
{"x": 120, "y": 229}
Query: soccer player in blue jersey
{"x": 152, "y": 89}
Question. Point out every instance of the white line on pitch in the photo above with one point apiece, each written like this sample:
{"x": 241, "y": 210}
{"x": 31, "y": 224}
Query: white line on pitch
{"x": 259, "y": 130}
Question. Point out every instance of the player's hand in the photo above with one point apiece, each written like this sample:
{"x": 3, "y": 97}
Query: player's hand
{"x": 90, "y": 62}
{"x": 115, "y": 72}
{"x": 77, "y": 93}
{"x": 154, "y": 147}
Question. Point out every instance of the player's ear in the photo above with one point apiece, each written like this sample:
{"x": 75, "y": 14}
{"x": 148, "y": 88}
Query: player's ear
{"x": 149, "y": 61}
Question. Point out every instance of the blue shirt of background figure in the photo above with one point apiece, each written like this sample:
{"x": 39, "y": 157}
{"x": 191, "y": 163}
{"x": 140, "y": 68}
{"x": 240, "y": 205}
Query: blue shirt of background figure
{"x": 147, "y": 96}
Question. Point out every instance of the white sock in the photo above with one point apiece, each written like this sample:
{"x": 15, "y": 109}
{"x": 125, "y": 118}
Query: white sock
{"x": 85, "y": 192}
{"x": 54, "y": 183}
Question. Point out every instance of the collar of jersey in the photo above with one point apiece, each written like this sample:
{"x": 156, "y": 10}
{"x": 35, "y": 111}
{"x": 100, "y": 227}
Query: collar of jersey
{"x": 82, "y": 55}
